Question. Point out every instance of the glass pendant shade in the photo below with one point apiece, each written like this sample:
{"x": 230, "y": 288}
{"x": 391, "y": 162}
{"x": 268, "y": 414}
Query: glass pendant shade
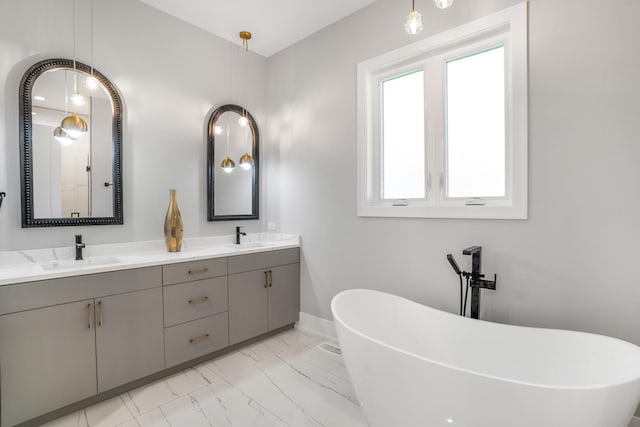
{"x": 77, "y": 99}
{"x": 227, "y": 164}
{"x": 443, "y": 4}
{"x": 413, "y": 22}
{"x": 246, "y": 161}
{"x": 61, "y": 136}
{"x": 74, "y": 125}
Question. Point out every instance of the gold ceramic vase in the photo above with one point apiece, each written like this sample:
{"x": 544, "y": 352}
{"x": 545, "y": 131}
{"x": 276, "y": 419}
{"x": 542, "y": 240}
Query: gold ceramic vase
{"x": 173, "y": 231}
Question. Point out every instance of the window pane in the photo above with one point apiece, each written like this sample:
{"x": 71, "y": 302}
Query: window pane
{"x": 403, "y": 168}
{"x": 476, "y": 125}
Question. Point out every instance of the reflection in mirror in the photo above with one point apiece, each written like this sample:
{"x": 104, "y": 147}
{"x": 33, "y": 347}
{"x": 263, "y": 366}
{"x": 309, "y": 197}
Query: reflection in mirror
{"x": 70, "y": 178}
{"x": 233, "y": 165}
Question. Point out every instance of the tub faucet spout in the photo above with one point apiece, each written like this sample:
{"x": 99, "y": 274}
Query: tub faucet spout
{"x": 477, "y": 281}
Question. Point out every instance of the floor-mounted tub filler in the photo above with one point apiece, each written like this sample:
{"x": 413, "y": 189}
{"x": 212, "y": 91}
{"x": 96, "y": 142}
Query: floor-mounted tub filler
{"x": 412, "y": 365}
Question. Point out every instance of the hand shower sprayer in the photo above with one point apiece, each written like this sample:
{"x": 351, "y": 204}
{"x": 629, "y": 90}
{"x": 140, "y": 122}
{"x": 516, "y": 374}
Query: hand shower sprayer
{"x": 460, "y": 273}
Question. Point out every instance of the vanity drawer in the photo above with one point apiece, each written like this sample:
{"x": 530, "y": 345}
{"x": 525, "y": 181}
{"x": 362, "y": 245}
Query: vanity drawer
{"x": 194, "y": 300}
{"x": 257, "y": 261}
{"x": 197, "y": 338}
{"x": 193, "y": 270}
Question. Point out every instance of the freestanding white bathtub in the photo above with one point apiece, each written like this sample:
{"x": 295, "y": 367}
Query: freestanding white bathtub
{"x": 412, "y": 365}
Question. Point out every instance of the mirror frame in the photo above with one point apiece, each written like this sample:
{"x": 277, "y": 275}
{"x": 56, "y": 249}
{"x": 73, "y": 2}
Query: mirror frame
{"x": 211, "y": 164}
{"x": 26, "y": 145}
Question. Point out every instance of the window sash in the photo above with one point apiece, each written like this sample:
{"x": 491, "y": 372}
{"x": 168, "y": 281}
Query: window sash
{"x": 507, "y": 27}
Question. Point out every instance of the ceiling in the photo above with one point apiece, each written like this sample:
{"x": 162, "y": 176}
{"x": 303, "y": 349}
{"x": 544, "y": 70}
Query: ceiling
{"x": 275, "y": 24}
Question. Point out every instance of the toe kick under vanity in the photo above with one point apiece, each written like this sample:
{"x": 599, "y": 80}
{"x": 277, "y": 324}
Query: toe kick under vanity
{"x": 88, "y": 334}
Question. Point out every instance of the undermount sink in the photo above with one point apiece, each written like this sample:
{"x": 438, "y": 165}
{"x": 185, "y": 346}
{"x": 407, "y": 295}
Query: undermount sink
{"x": 248, "y": 245}
{"x": 87, "y": 262}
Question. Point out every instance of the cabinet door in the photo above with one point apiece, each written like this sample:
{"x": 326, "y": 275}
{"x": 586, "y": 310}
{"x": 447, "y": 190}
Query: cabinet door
{"x": 47, "y": 360}
{"x": 129, "y": 337}
{"x": 284, "y": 295}
{"x": 247, "y": 305}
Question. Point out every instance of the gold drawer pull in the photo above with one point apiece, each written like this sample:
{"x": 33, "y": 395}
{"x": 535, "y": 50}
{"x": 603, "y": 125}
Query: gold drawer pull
{"x": 90, "y": 309}
{"x": 202, "y": 270}
{"x": 270, "y": 278}
{"x": 198, "y": 300}
{"x": 100, "y": 322}
{"x": 266, "y": 279}
{"x": 201, "y": 338}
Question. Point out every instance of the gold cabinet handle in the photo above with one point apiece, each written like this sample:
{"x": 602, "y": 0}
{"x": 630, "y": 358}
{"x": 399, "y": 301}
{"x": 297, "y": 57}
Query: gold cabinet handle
{"x": 266, "y": 279}
{"x": 270, "y": 278}
{"x": 198, "y": 300}
{"x": 202, "y": 270}
{"x": 90, "y": 310}
{"x": 100, "y": 322}
{"x": 201, "y": 338}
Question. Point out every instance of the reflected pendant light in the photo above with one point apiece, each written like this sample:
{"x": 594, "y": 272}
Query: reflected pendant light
{"x": 61, "y": 136}
{"x": 74, "y": 125}
{"x": 246, "y": 161}
{"x": 413, "y": 21}
{"x": 227, "y": 164}
{"x": 58, "y": 133}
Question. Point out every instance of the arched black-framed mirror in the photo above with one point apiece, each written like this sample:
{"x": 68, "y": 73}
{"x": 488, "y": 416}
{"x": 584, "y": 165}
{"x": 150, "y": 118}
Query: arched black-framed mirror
{"x": 233, "y": 164}
{"x": 68, "y": 178}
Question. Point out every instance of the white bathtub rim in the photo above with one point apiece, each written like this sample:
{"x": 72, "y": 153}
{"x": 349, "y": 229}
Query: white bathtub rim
{"x": 594, "y": 386}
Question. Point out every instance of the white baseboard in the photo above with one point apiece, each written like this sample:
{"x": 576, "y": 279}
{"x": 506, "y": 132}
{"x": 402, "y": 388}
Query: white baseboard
{"x": 317, "y": 326}
{"x": 635, "y": 422}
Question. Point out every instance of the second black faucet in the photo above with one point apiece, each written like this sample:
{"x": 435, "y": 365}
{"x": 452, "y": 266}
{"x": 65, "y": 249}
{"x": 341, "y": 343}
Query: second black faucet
{"x": 239, "y": 233}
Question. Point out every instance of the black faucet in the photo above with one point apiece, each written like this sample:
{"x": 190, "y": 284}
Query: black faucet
{"x": 477, "y": 282}
{"x": 79, "y": 247}
{"x": 239, "y": 233}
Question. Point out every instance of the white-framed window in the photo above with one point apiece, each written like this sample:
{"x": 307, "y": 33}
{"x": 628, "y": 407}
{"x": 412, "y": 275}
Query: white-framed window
{"x": 442, "y": 124}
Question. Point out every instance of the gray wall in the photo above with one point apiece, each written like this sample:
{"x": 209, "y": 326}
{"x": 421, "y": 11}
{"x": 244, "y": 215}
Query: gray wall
{"x": 170, "y": 74}
{"x": 570, "y": 265}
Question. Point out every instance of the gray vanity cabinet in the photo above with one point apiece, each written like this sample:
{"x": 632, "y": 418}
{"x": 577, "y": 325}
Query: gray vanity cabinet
{"x": 64, "y": 340}
{"x": 283, "y": 301}
{"x": 47, "y": 360}
{"x": 129, "y": 337}
{"x": 195, "y": 309}
{"x": 264, "y": 292}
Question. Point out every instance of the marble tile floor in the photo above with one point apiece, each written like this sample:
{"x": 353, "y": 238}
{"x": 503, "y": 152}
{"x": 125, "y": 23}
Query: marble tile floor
{"x": 285, "y": 380}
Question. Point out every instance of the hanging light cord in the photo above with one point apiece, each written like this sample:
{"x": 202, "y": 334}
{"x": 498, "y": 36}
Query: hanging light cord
{"x": 75, "y": 72}
{"x": 91, "y": 38}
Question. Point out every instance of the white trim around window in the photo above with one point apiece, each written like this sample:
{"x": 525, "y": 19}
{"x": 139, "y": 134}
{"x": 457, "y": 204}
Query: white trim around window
{"x": 507, "y": 28}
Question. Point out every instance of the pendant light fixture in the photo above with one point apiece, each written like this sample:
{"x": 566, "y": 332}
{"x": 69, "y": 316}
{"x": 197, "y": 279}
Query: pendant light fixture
{"x": 443, "y": 4}
{"x": 227, "y": 164}
{"x": 76, "y": 99}
{"x": 91, "y": 82}
{"x": 245, "y": 36}
{"x": 246, "y": 161}
{"x": 74, "y": 125}
{"x": 413, "y": 21}
{"x": 58, "y": 133}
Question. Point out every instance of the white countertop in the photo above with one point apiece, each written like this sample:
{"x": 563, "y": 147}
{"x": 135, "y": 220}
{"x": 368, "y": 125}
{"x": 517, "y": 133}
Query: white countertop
{"x": 41, "y": 264}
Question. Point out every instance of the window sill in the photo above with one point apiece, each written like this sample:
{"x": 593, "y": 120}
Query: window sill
{"x": 489, "y": 211}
